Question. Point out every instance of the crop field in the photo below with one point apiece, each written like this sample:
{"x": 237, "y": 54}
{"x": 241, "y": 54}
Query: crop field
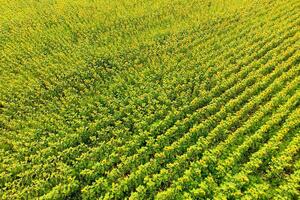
{"x": 160, "y": 99}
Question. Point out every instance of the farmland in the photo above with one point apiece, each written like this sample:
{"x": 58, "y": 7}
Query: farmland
{"x": 162, "y": 99}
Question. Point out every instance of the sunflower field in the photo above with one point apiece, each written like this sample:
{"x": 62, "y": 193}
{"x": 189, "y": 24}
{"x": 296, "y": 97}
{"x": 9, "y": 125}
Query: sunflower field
{"x": 160, "y": 99}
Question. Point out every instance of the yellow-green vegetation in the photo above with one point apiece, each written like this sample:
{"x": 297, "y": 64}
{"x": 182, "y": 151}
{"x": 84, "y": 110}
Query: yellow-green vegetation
{"x": 162, "y": 99}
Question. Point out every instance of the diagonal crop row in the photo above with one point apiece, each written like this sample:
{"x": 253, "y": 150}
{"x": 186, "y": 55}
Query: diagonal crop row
{"x": 215, "y": 135}
{"x": 197, "y": 168}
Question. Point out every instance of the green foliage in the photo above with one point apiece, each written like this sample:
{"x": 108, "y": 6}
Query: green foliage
{"x": 160, "y": 99}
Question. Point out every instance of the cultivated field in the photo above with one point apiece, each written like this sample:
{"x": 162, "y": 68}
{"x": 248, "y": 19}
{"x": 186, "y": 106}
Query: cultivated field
{"x": 161, "y": 99}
